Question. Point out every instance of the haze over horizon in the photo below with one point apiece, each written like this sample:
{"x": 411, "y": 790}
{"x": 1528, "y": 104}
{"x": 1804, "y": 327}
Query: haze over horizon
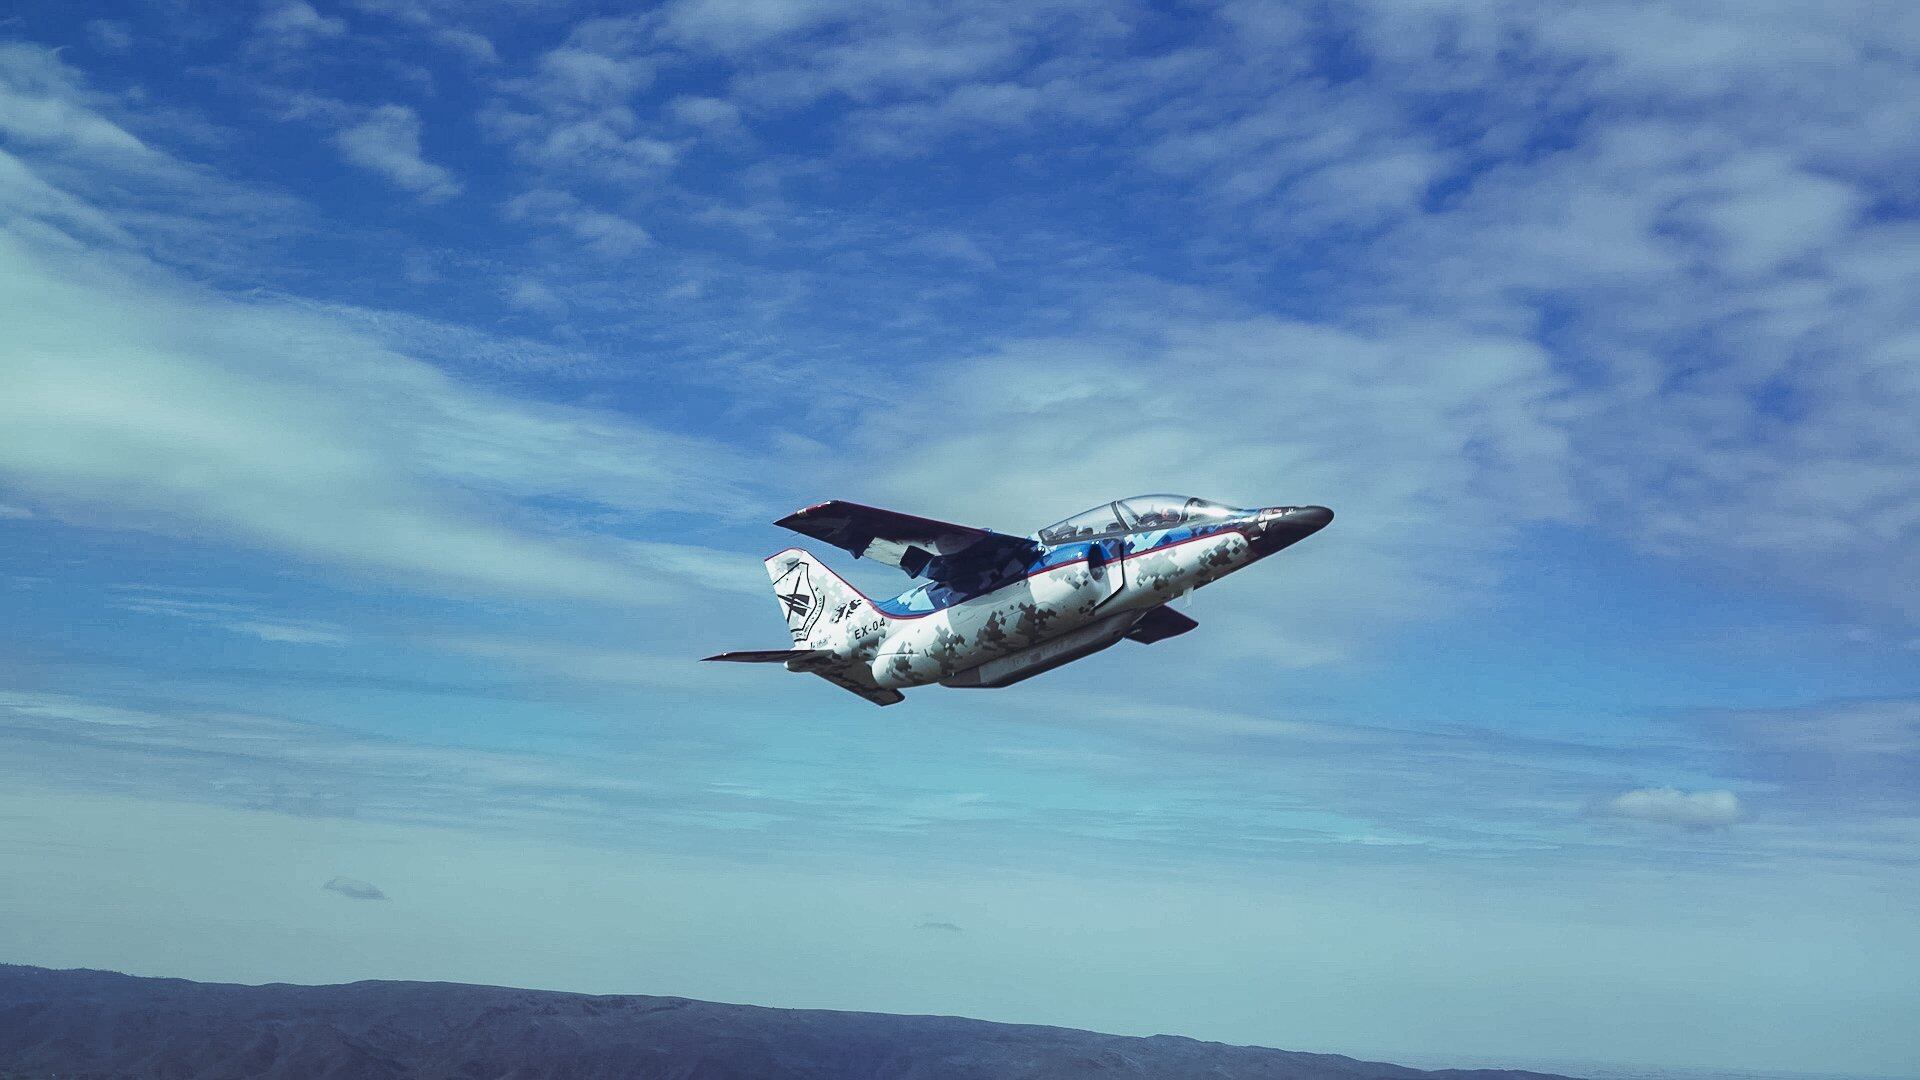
{"x": 394, "y": 395}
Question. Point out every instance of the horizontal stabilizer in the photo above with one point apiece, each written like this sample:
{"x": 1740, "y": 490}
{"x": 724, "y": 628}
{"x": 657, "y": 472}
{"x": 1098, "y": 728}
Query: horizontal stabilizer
{"x": 762, "y": 656}
{"x": 844, "y": 672}
{"x": 1160, "y": 624}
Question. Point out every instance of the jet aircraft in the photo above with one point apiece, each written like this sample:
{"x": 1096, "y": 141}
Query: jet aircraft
{"x": 996, "y": 609}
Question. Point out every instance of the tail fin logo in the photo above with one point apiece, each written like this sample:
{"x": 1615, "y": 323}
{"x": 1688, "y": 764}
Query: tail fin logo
{"x": 797, "y": 595}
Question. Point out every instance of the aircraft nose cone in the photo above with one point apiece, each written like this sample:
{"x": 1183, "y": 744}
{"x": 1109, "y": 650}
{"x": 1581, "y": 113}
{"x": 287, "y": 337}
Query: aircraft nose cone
{"x": 1284, "y": 526}
{"x": 1312, "y": 518}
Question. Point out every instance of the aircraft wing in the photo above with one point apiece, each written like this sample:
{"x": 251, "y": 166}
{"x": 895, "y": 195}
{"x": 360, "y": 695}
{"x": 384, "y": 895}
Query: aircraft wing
{"x": 917, "y": 545}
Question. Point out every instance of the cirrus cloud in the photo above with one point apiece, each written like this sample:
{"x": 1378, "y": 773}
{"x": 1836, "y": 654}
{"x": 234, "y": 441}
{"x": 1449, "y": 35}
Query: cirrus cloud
{"x": 1671, "y": 806}
{"x": 388, "y": 142}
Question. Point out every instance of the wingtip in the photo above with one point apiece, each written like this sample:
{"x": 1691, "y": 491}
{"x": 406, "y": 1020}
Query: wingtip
{"x": 801, "y": 514}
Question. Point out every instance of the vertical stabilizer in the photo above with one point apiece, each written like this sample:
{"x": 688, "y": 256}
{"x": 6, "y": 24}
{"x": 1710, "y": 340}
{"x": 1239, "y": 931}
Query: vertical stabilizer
{"x": 813, "y": 598}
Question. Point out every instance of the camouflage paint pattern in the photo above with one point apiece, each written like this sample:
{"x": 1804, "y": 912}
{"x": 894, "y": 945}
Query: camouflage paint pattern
{"x": 932, "y": 632}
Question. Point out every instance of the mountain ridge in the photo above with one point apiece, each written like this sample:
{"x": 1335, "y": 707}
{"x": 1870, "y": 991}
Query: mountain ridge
{"x": 100, "y": 1024}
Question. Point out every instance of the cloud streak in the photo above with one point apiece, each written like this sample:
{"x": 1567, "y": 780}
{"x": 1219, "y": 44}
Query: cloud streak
{"x": 1671, "y": 806}
{"x": 238, "y": 618}
{"x": 134, "y": 398}
{"x": 294, "y": 24}
{"x": 387, "y": 142}
{"x": 270, "y": 425}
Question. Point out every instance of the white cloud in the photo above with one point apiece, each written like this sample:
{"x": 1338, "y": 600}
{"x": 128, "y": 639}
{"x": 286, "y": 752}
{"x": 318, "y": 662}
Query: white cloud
{"x": 242, "y": 758}
{"x": 69, "y": 154}
{"x": 918, "y": 127}
{"x": 1432, "y": 445}
{"x": 474, "y": 46}
{"x": 39, "y": 206}
{"x": 1848, "y": 730}
{"x": 421, "y": 16}
{"x": 1768, "y": 211}
{"x": 387, "y": 142}
{"x": 575, "y": 113}
{"x": 727, "y": 25}
{"x": 604, "y": 234}
{"x": 721, "y": 120}
{"x": 603, "y": 143}
{"x": 908, "y": 62}
{"x": 110, "y": 35}
{"x": 294, "y": 24}
{"x": 1679, "y": 222}
{"x": 1681, "y": 201}
{"x": 602, "y": 64}
{"x": 1306, "y": 156}
{"x": 133, "y": 397}
{"x": 528, "y": 294}
{"x": 259, "y": 424}
{"x": 707, "y": 112}
{"x": 1678, "y": 228}
{"x": 957, "y": 247}
{"x": 1671, "y": 806}
{"x": 238, "y": 618}
{"x": 44, "y": 107}
{"x": 583, "y": 76}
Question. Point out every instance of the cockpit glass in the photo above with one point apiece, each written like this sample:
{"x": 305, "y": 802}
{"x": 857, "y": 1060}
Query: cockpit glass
{"x": 1099, "y": 521}
{"x": 1138, "y": 514}
{"x": 1202, "y": 510}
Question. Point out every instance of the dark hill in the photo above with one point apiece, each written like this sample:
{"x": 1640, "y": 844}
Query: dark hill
{"x": 103, "y": 1024}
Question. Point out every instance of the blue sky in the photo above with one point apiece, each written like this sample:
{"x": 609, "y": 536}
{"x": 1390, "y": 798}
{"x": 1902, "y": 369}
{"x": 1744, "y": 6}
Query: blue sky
{"x": 394, "y": 394}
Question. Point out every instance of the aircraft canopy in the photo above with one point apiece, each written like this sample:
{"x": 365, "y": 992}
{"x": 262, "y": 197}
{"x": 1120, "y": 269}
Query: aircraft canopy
{"x": 1138, "y": 514}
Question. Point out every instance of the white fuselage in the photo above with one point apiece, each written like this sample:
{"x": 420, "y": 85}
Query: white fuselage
{"x": 994, "y": 609}
{"x": 1079, "y": 605}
